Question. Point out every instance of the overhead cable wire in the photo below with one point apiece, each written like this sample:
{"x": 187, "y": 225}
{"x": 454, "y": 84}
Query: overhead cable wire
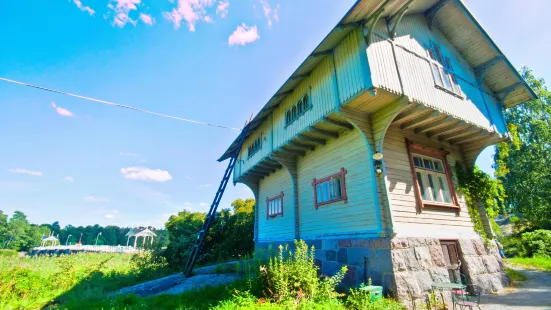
{"x": 117, "y": 104}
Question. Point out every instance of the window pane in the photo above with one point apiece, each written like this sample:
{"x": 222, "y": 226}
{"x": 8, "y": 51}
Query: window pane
{"x": 447, "y": 64}
{"x": 436, "y": 73}
{"x": 435, "y": 188}
{"x": 438, "y": 166}
{"x": 445, "y": 190}
{"x": 447, "y": 81}
{"x": 325, "y": 191}
{"x": 428, "y": 164}
{"x": 418, "y": 162}
{"x": 438, "y": 54}
{"x": 336, "y": 187}
{"x": 422, "y": 188}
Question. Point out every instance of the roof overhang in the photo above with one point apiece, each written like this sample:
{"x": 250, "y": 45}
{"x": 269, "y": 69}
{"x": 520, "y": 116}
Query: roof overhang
{"x": 501, "y": 78}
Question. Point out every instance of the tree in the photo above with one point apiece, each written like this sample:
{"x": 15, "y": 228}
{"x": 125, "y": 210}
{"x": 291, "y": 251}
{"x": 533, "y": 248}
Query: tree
{"x": 523, "y": 166}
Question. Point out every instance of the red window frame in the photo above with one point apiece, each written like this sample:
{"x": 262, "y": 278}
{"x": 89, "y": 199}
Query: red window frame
{"x": 268, "y": 200}
{"x": 413, "y": 148}
{"x": 344, "y": 196}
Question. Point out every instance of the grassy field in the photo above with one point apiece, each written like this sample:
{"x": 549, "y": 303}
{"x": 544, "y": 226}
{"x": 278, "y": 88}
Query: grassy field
{"x": 542, "y": 263}
{"x": 86, "y": 281}
{"x": 68, "y": 281}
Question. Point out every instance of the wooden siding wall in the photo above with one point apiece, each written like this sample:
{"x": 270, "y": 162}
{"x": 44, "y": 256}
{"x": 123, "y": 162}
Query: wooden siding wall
{"x": 360, "y": 214}
{"x": 351, "y": 67}
{"x": 280, "y": 228}
{"x": 408, "y": 221}
{"x": 352, "y": 77}
{"x": 414, "y": 73}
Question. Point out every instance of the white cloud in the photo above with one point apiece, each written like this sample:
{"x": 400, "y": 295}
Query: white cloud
{"x": 147, "y": 19}
{"x": 146, "y": 174}
{"x": 68, "y": 179}
{"x": 109, "y": 216}
{"x": 84, "y": 8}
{"x": 222, "y": 8}
{"x": 93, "y": 199}
{"x": 203, "y": 204}
{"x": 271, "y": 14}
{"x": 243, "y": 35}
{"x": 122, "y": 9}
{"x": 190, "y": 11}
{"x": 61, "y": 111}
{"x": 130, "y": 154}
{"x": 25, "y": 171}
{"x": 205, "y": 185}
{"x": 208, "y": 19}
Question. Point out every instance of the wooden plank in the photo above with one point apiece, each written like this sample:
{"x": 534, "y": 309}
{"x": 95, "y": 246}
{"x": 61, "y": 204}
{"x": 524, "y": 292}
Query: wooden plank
{"x": 410, "y": 115}
{"x": 423, "y": 120}
{"x": 294, "y": 152}
{"x": 338, "y": 123}
{"x": 455, "y": 127}
{"x": 481, "y": 135}
{"x": 331, "y": 134}
{"x": 448, "y": 121}
{"x": 311, "y": 139}
{"x": 302, "y": 146}
{"x": 460, "y": 133}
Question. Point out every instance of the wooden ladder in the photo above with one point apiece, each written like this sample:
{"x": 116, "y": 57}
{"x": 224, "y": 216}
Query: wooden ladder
{"x": 195, "y": 251}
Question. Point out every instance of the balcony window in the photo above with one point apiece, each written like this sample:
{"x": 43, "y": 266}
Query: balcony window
{"x": 298, "y": 109}
{"x": 442, "y": 71}
{"x": 254, "y": 147}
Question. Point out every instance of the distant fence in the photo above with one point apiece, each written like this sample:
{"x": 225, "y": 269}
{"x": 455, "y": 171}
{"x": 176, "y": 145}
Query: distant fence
{"x": 71, "y": 249}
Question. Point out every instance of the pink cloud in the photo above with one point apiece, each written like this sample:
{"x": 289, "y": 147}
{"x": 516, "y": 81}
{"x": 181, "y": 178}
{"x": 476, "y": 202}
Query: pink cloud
{"x": 271, "y": 14}
{"x": 122, "y": 9}
{"x": 208, "y": 19}
{"x": 84, "y": 8}
{"x": 243, "y": 35}
{"x": 147, "y": 19}
{"x": 190, "y": 11}
{"x": 222, "y": 8}
{"x": 62, "y": 111}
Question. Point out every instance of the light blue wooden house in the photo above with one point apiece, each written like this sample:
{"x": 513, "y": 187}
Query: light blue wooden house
{"x": 355, "y": 153}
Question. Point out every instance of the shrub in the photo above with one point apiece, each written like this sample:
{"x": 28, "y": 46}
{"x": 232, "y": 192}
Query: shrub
{"x": 293, "y": 276}
{"x": 536, "y": 243}
{"x": 8, "y": 252}
{"x": 359, "y": 299}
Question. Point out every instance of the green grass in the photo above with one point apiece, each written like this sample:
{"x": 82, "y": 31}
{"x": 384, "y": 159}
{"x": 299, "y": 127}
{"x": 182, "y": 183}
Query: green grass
{"x": 543, "y": 263}
{"x": 515, "y": 277}
{"x": 7, "y": 252}
{"x": 37, "y": 282}
{"x": 87, "y": 281}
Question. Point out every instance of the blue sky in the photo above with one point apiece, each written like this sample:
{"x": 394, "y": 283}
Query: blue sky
{"x": 218, "y": 61}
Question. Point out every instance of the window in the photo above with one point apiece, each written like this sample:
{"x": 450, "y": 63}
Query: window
{"x": 432, "y": 177}
{"x": 330, "y": 189}
{"x": 297, "y": 109}
{"x": 274, "y": 206}
{"x": 442, "y": 71}
{"x": 451, "y": 256}
{"x": 255, "y": 146}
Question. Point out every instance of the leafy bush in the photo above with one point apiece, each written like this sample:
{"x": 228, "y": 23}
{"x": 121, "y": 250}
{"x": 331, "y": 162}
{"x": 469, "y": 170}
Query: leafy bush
{"x": 536, "y": 243}
{"x": 230, "y": 236}
{"x": 8, "y": 252}
{"x": 293, "y": 276}
{"x": 359, "y": 299}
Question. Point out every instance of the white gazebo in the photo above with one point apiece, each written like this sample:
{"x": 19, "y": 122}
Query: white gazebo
{"x": 144, "y": 234}
{"x": 50, "y": 239}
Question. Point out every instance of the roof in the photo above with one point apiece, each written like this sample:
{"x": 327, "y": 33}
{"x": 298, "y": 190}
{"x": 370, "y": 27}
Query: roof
{"x": 146, "y": 233}
{"x": 358, "y": 14}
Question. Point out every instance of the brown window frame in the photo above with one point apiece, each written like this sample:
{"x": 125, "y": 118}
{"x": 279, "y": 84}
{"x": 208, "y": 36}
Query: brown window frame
{"x": 344, "y": 196}
{"x": 268, "y": 200}
{"x": 413, "y": 148}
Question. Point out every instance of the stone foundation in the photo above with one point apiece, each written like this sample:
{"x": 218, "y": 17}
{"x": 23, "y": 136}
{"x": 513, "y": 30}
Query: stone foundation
{"x": 418, "y": 262}
{"x": 404, "y": 266}
{"x": 332, "y": 254}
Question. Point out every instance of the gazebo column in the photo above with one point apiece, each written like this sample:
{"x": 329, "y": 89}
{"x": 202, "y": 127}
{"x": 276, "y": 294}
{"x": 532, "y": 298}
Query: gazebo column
{"x": 135, "y": 240}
